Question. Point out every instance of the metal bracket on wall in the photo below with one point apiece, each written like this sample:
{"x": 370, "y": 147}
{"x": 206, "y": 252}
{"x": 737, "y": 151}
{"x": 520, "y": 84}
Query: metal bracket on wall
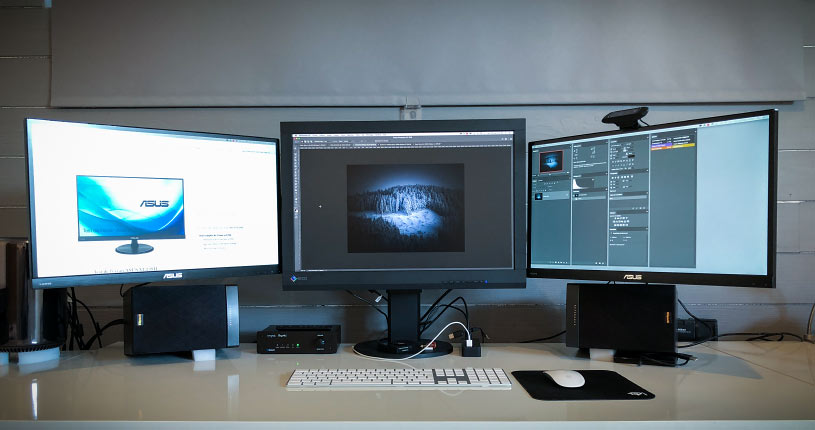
{"x": 410, "y": 112}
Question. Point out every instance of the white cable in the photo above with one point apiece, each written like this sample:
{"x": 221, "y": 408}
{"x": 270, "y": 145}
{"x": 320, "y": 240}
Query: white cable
{"x": 423, "y": 349}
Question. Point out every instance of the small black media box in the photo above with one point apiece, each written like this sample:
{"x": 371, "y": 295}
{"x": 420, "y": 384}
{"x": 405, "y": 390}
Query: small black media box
{"x": 299, "y": 339}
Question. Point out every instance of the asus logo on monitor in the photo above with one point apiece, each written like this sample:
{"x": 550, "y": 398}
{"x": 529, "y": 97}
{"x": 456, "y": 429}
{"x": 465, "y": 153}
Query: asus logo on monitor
{"x": 155, "y": 204}
{"x": 632, "y": 277}
{"x": 176, "y": 275}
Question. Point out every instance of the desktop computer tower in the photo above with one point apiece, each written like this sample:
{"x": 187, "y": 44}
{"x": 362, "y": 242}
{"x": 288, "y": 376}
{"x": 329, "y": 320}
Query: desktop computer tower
{"x": 622, "y": 317}
{"x": 160, "y": 319}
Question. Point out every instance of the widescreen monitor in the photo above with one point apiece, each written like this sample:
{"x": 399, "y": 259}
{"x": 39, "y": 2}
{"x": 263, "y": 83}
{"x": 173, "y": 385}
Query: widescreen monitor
{"x": 403, "y": 206}
{"x": 112, "y": 204}
{"x": 690, "y": 202}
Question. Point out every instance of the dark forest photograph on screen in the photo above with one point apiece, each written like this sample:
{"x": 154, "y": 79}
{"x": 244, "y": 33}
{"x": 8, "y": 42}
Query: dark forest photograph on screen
{"x": 406, "y": 208}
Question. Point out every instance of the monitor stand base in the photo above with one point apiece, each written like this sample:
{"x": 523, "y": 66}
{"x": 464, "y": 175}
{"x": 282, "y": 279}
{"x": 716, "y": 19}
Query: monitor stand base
{"x": 381, "y": 349}
{"x": 134, "y": 248}
{"x": 404, "y": 338}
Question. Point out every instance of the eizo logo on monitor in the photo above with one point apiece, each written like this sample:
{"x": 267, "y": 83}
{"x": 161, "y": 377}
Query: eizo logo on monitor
{"x": 636, "y": 393}
{"x": 155, "y": 204}
{"x": 632, "y": 277}
{"x": 176, "y": 275}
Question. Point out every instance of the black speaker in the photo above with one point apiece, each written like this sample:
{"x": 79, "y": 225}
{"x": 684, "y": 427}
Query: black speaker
{"x": 623, "y": 317}
{"x": 30, "y": 320}
{"x": 176, "y": 318}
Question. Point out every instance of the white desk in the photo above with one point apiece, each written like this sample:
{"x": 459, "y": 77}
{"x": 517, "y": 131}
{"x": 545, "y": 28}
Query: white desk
{"x": 733, "y": 385}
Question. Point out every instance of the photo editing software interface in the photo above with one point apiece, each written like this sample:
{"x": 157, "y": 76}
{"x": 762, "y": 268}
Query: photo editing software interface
{"x": 109, "y": 200}
{"x": 689, "y": 199}
{"x": 403, "y": 201}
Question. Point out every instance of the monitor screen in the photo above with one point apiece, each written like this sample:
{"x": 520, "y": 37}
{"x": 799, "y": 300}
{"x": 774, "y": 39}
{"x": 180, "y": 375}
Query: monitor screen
{"x": 404, "y": 204}
{"x": 690, "y": 202}
{"x": 113, "y": 204}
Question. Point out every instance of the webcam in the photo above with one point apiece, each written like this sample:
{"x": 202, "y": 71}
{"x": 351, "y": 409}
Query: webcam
{"x": 626, "y": 119}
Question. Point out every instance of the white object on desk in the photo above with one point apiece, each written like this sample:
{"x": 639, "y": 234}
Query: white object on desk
{"x": 597, "y": 354}
{"x": 566, "y": 378}
{"x": 203, "y": 355}
{"x": 33, "y": 357}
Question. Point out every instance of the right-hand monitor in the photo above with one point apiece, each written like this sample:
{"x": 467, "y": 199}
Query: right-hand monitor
{"x": 690, "y": 202}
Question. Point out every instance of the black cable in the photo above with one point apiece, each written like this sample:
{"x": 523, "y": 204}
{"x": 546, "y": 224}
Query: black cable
{"x": 466, "y": 313}
{"x": 484, "y": 336}
{"x": 76, "y": 329}
{"x": 433, "y": 306}
{"x": 373, "y": 305}
{"x": 93, "y": 320}
{"x": 647, "y": 357}
{"x": 70, "y": 321}
{"x": 427, "y": 324}
{"x": 119, "y": 321}
{"x": 756, "y": 336}
{"x": 545, "y": 338}
{"x": 646, "y": 124}
{"x": 382, "y": 296}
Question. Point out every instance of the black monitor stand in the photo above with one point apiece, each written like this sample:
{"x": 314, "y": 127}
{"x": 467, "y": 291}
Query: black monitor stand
{"x": 134, "y": 247}
{"x": 403, "y": 330}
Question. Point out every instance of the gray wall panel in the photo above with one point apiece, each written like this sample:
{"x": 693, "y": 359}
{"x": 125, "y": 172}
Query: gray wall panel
{"x": 806, "y": 227}
{"x": 788, "y": 227}
{"x": 796, "y": 174}
{"x": 12, "y": 182}
{"x": 13, "y": 221}
{"x": 24, "y": 81}
{"x": 809, "y": 70}
{"x": 456, "y": 52}
{"x": 12, "y": 140}
{"x": 808, "y": 14}
{"x": 797, "y": 271}
{"x": 796, "y": 125}
{"x": 24, "y": 32}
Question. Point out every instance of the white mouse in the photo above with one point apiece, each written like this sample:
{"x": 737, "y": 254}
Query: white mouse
{"x": 566, "y": 378}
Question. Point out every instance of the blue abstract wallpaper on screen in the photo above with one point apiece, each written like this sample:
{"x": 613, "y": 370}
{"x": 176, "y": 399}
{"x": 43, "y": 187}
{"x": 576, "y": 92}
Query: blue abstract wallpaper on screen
{"x": 113, "y": 207}
{"x": 406, "y": 208}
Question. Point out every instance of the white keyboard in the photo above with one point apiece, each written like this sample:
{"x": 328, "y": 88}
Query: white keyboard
{"x": 401, "y": 379}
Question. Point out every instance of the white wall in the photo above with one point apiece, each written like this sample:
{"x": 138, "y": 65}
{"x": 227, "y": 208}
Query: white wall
{"x": 25, "y": 91}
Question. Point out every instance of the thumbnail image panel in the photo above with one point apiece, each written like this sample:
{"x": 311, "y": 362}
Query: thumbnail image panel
{"x": 551, "y": 161}
{"x": 405, "y": 208}
{"x": 111, "y": 207}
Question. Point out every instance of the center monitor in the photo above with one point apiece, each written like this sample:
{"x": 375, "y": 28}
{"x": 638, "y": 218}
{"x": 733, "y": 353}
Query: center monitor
{"x": 403, "y": 206}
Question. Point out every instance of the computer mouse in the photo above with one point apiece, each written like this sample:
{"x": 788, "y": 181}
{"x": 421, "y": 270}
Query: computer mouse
{"x": 566, "y": 378}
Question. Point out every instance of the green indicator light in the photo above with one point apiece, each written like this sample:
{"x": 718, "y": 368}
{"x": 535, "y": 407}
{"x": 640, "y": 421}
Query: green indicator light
{"x": 298, "y": 345}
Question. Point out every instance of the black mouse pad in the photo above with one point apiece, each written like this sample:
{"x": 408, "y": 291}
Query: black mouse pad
{"x": 600, "y": 385}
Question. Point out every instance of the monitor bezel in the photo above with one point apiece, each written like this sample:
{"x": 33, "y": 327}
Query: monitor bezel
{"x": 142, "y": 277}
{"x": 732, "y": 280}
{"x": 404, "y": 279}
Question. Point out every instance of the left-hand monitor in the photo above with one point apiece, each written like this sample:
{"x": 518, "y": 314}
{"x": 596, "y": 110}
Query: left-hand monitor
{"x": 112, "y": 204}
